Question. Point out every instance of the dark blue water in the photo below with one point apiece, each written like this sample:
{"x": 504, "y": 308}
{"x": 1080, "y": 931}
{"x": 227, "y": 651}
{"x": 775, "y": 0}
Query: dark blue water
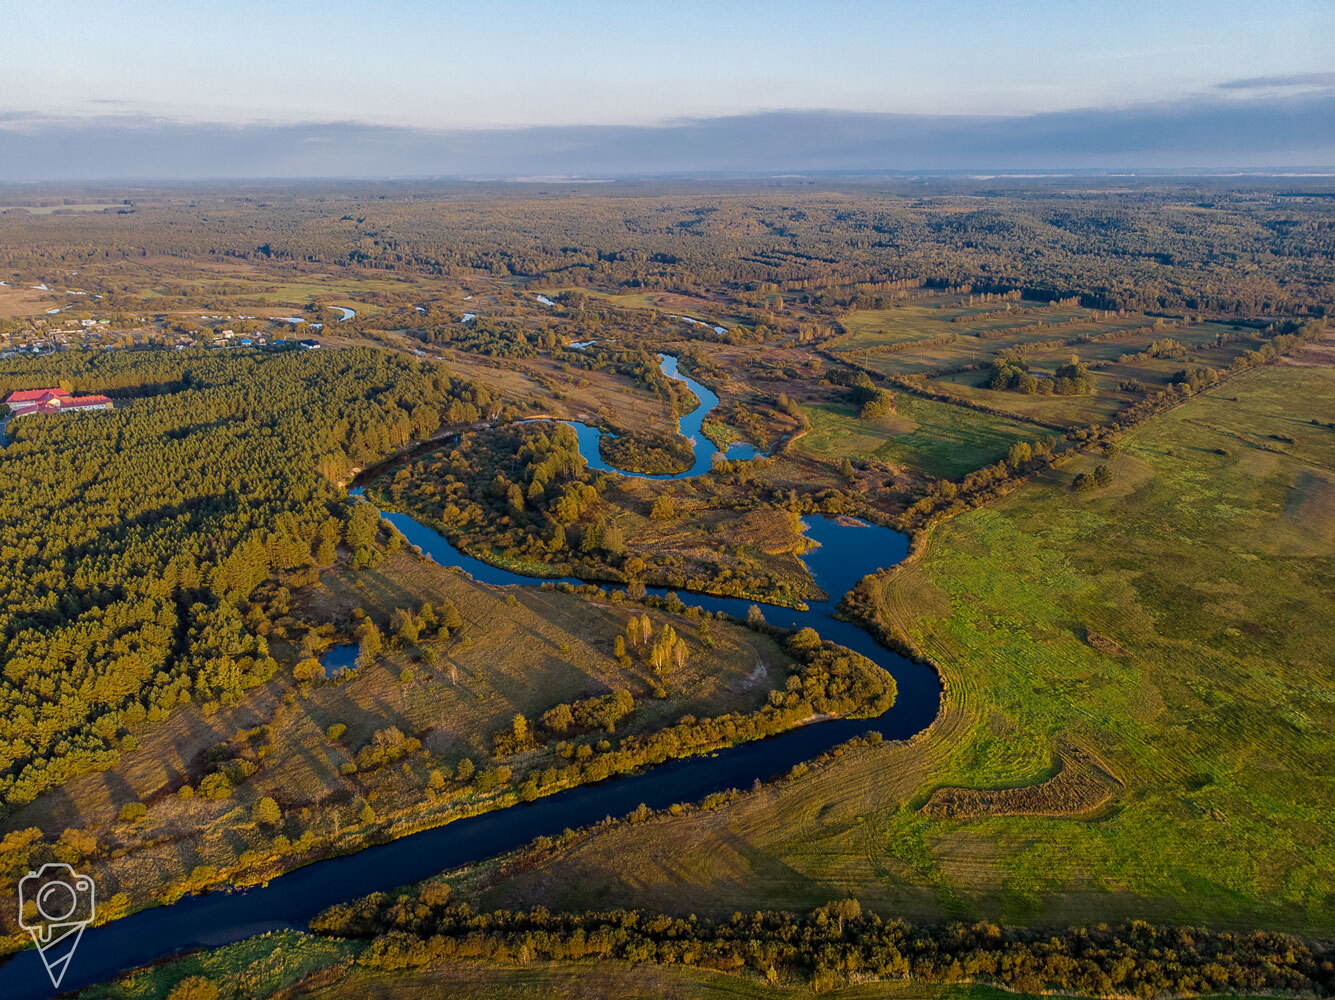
{"x": 847, "y": 550}
{"x": 337, "y": 659}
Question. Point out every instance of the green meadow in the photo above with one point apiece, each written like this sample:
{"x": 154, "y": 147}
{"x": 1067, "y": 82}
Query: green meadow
{"x": 953, "y": 344}
{"x": 933, "y": 437}
{"x": 978, "y": 331}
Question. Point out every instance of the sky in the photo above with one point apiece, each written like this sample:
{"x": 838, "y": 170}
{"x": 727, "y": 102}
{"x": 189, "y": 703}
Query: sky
{"x": 428, "y": 70}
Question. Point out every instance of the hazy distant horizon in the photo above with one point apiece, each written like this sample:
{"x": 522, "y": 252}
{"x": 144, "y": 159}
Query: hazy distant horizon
{"x": 1204, "y": 135}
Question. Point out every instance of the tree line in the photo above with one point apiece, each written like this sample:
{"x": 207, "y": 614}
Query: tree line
{"x": 841, "y": 942}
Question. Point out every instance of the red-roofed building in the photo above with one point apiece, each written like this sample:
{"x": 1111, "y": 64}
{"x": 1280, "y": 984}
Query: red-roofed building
{"x": 27, "y": 401}
{"x": 34, "y": 397}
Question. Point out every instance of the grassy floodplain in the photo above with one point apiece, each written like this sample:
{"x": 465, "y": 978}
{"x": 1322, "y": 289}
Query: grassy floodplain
{"x": 1171, "y": 627}
{"x": 936, "y": 438}
{"x": 947, "y": 345}
{"x": 946, "y": 314}
{"x": 1064, "y": 411}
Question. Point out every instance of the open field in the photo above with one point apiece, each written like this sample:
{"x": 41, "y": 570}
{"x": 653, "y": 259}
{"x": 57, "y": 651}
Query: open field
{"x": 1174, "y": 626}
{"x": 569, "y": 393}
{"x": 952, "y": 345}
{"x": 629, "y": 300}
{"x": 1198, "y": 338}
{"x": 225, "y": 290}
{"x": 23, "y": 301}
{"x": 943, "y": 315}
{"x": 936, "y": 438}
{"x": 617, "y": 981}
{"x": 1062, "y": 411}
{"x": 91, "y": 206}
{"x": 1118, "y": 366}
{"x": 560, "y": 649}
{"x": 325, "y": 286}
{"x": 702, "y": 309}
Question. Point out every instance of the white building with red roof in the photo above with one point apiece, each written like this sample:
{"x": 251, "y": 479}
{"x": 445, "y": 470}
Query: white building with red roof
{"x": 27, "y": 401}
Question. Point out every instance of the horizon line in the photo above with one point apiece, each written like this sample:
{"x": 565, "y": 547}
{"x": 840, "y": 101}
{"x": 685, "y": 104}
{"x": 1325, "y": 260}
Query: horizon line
{"x": 981, "y": 173}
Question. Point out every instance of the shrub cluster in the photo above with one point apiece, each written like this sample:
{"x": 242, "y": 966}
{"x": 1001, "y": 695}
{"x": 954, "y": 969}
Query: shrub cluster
{"x": 1071, "y": 379}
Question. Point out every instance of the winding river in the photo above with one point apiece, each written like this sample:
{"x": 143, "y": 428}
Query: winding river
{"x": 847, "y": 550}
{"x": 688, "y": 426}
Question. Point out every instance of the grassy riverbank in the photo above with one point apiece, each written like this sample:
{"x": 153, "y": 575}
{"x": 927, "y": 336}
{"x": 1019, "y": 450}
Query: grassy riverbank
{"x": 403, "y": 966}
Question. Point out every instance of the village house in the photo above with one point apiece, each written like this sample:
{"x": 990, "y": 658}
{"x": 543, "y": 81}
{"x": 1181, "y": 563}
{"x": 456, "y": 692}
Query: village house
{"x": 28, "y": 401}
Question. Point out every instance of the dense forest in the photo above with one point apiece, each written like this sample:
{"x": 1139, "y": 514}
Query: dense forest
{"x": 1255, "y": 248}
{"x": 132, "y": 539}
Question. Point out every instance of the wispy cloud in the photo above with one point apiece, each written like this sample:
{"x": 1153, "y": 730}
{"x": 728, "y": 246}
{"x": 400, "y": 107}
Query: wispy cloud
{"x": 1280, "y": 82}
